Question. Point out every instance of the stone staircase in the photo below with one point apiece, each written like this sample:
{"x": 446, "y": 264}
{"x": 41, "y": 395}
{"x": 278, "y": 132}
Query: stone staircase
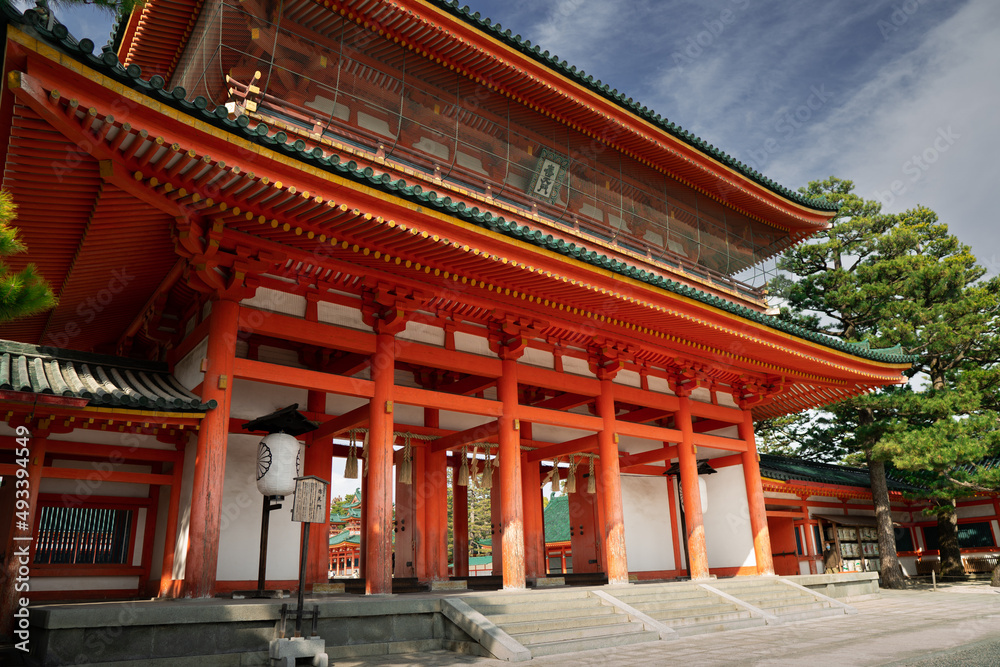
{"x": 686, "y": 608}
{"x": 560, "y": 621}
{"x": 779, "y": 599}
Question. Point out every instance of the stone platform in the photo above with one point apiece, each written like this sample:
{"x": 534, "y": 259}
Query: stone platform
{"x": 231, "y": 633}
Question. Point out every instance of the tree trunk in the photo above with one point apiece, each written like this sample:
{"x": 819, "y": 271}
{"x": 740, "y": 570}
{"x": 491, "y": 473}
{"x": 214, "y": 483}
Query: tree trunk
{"x": 951, "y": 554}
{"x": 890, "y": 572}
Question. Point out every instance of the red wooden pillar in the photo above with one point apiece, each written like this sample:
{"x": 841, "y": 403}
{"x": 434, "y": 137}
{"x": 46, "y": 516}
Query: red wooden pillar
{"x": 755, "y": 498}
{"x": 496, "y": 523}
{"x": 421, "y": 545}
{"x": 406, "y": 529}
{"x": 511, "y": 505}
{"x": 698, "y": 564}
{"x": 210, "y": 465}
{"x": 170, "y": 535}
{"x": 534, "y": 532}
{"x": 435, "y": 483}
{"x": 460, "y": 524}
{"x": 610, "y": 487}
{"x": 20, "y": 552}
{"x": 319, "y": 462}
{"x": 378, "y": 548}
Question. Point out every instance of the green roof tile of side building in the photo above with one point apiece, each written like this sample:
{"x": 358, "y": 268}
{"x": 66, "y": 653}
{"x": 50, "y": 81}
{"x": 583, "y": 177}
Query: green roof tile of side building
{"x": 197, "y": 109}
{"x": 786, "y": 468}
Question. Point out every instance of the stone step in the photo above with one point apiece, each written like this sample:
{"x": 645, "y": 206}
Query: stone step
{"x": 705, "y": 628}
{"x": 529, "y": 639}
{"x": 606, "y": 641}
{"x": 534, "y": 607}
{"x": 719, "y": 617}
{"x": 681, "y": 607}
{"x": 738, "y": 587}
{"x": 547, "y": 624}
{"x": 774, "y": 597}
{"x": 795, "y": 608}
{"x": 527, "y": 596}
{"x": 526, "y": 615}
{"x": 640, "y": 595}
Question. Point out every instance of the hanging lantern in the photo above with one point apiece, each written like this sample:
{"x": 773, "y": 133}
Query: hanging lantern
{"x": 277, "y": 456}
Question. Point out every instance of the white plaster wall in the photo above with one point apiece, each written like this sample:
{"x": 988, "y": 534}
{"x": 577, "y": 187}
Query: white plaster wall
{"x": 728, "y": 539}
{"x": 423, "y": 333}
{"x": 256, "y": 399}
{"x": 188, "y": 370}
{"x": 239, "y": 539}
{"x": 549, "y": 433}
{"x": 184, "y": 507}
{"x": 996, "y": 531}
{"x": 95, "y": 483}
{"x": 909, "y": 564}
{"x": 727, "y": 432}
{"x": 84, "y": 583}
{"x": 334, "y": 313}
{"x": 725, "y": 399}
{"x": 975, "y": 511}
{"x": 702, "y": 395}
{"x": 658, "y": 384}
{"x": 277, "y": 302}
{"x": 804, "y": 567}
{"x": 536, "y": 357}
{"x": 628, "y": 378}
{"x": 577, "y": 366}
{"x": 648, "y": 541}
{"x": 473, "y": 344}
{"x": 126, "y": 441}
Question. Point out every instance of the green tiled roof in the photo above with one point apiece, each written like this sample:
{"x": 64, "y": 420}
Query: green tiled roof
{"x": 557, "y": 519}
{"x": 344, "y": 537}
{"x": 102, "y": 380}
{"x": 784, "y": 468}
{"x": 107, "y": 63}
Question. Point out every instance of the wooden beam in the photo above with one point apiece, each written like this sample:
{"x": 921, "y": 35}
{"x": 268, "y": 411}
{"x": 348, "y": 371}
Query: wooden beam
{"x": 550, "y": 379}
{"x": 644, "y": 470}
{"x": 108, "y": 476}
{"x": 469, "y": 435}
{"x": 556, "y": 418}
{"x": 286, "y": 376}
{"x": 647, "y": 432}
{"x": 345, "y": 422}
{"x": 451, "y": 402}
{"x": 643, "y": 415}
{"x": 706, "y": 425}
{"x": 564, "y": 401}
{"x": 664, "y": 453}
{"x": 716, "y": 442}
{"x": 470, "y": 384}
{"x": 587, "y": 443}
{"x": 726, "y": 461}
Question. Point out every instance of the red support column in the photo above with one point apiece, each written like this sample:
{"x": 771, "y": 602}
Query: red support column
{"x": 610, "y": 487}
{"x": 460, "y": 524}
{"x": 435, "y": 482}
{"x": 511, "y": 507}
{"x": 319, "y": 462}
{"x": 210, "y": 465}
{"x": 755, "y": 498}
{"x": 378, "y": 550}
{"x": 170, "y": 535}
{"x": 698, "y": 564}
{"x": 534, "y": 535}
{"x": 20, "y": 550}
{"x": 421, "y": 545}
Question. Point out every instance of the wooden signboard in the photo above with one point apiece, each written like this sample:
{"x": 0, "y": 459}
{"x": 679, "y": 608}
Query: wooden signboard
{"x": 310, "y": 500}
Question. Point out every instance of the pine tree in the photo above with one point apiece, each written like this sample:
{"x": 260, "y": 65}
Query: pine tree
{"x": 24, "y": 292}
{"x": 832, "y": 289}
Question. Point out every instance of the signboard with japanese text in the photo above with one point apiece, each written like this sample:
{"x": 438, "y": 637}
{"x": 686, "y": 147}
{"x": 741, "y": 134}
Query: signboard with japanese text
{"x": 550, "y": 173}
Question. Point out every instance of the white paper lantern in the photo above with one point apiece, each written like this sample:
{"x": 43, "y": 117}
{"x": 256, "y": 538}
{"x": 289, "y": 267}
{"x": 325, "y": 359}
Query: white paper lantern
{"x": 277, "y": 464}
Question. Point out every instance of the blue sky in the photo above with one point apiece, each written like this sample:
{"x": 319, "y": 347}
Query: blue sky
{"x": 900, "y": 96}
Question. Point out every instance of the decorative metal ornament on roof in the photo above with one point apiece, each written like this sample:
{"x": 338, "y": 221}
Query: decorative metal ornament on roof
{"x": 550, "y": 173}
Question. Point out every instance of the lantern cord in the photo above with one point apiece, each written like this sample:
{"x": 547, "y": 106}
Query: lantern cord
{"x": 463, "y": 470}
{"x": 351, "y": 467}
{"x": 570, "y": 485}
